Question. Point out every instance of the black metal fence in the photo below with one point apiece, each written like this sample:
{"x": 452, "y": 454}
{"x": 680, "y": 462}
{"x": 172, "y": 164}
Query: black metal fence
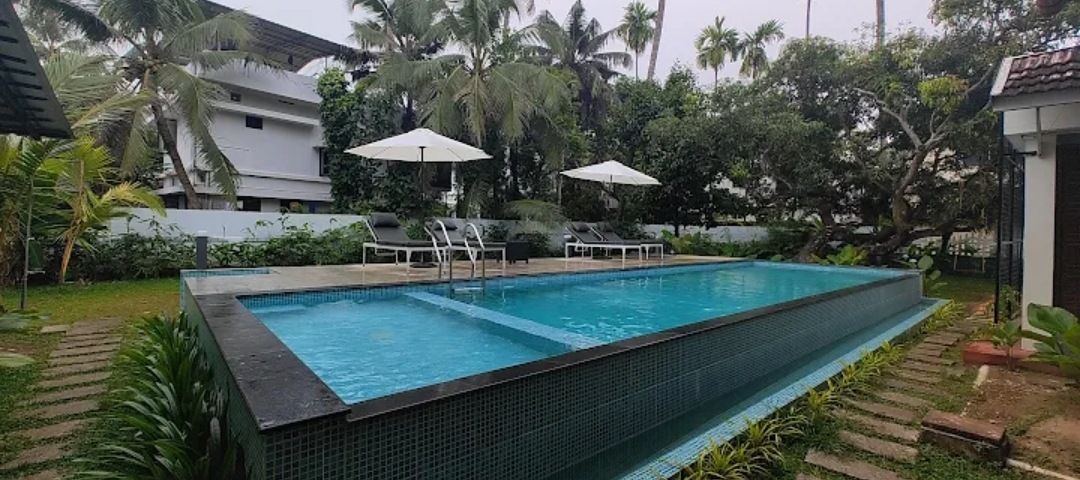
{"x": 1010, "y": 233}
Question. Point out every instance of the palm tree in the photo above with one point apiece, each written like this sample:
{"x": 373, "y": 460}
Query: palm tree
{"x": 166, "y": 43}
{"x": 401, "y": 31}
{"x": 755, "y": 58}
{"x": 715, "y": 45}
{"x": 808, "y": 18}
{"x": 575, "y": 46}
{"x": 49, "y": 34}
{"x": 880, "y": 22}
{"x": 656, "y": 40}
{"x": 475, "y": 88}
{"x": 637, "y": 30}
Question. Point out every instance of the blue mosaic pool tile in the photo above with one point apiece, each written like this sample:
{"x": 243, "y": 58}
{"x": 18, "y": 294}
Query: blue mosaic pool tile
{"x": 527, "y": 331}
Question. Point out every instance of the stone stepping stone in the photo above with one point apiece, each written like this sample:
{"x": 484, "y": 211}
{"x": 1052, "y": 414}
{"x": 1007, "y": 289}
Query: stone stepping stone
{"x": 79, "y": 368}
{"x": 56, "y": 430}
{"x": 910, "y": 387}
{"x": 806, "y": 476}
{"x": 877, "y": 446}
{"x": 69, "y": 394}
{"x": 77, "y": 407}
{"x": 95, "y": 326}
{"x": 906, "y": 400}
{"x": 964, "y": 329}
{"x": 852, "y": 468}
{"x": 94, "y": 357}
{"x": 73, "y": 380}
{"x": 917, "y": 377}
{"x": 933, "y": 347}
{"x": 45, "y": 475}
{"x": 71, "y": 352}
{"x": 922, "y": 367}
{"x": 54, "y": 328}
{"x": 83, "y": 338}
{"x": 882, "y": 410}
{"x": 36, "y": 455}
{"x": 90, "y": 342}
{"x": 946, "y": 339}
{"x": 881, "y": 427}
{"x": 948, "y": 362}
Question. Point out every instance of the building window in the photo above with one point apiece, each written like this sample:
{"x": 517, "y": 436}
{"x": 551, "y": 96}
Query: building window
{"x": 253, "y": 122}
{"x": 236, "y": 97}
{"x": 324, "y": 162}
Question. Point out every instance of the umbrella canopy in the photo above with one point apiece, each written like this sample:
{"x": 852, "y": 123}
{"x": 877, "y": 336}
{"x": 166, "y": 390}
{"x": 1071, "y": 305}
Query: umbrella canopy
{"x": 420, "y": 145}
{"x": 611, "y": 172}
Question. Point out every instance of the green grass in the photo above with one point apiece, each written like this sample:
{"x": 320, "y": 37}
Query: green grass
{"x": 965, "y": 289}
{"x": 73, "y": 302}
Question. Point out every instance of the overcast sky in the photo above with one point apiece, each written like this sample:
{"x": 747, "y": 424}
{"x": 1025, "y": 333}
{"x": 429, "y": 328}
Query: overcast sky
{"x": 839, "y": 19}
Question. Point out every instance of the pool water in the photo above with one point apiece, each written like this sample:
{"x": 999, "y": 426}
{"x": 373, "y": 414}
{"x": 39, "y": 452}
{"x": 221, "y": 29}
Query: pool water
{"x": 369, "y": 349}
{"x": 619, "y": 309}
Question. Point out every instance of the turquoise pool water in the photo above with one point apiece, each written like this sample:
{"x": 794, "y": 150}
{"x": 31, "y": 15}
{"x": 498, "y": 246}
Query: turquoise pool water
{"x": 369, "y": 349}
{"x": 618, "y": 309}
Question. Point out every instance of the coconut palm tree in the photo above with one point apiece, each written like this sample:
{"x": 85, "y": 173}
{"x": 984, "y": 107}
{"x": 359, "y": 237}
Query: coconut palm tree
{"x": 880, "y": 22}
{"x": 166, "y": 43}
{"x": 656, "y": 39}
{"x": 49, "y": 34}
{"x": 808, "y": 5}
{"x": 575, "y": 46}
{"x": 755, "y": 58}
{"x": 476, "y": 87}
{"x": 637, "y": 30}
{"x": 715, "y": 45}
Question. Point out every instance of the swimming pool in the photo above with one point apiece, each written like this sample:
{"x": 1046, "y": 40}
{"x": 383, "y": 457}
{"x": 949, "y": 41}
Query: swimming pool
{"x": 365, "y": 347}
{"x": 535, "y": 376}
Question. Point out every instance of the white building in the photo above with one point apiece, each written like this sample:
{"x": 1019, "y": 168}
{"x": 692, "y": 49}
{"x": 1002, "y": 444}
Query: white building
{"x": 268, "y": 127}
{"x": 1039, "y": 97}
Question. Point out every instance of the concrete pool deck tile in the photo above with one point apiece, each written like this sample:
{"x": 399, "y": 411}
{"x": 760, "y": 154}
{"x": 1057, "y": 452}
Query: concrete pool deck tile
{"x": 917, "y": 377}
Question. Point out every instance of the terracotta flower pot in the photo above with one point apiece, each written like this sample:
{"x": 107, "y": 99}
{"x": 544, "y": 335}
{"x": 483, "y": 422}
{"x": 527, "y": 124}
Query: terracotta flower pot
{"x": 1049, "y": 7}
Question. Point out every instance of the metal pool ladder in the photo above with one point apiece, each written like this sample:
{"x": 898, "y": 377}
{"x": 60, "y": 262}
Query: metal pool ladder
{"x": 469, "y": 250}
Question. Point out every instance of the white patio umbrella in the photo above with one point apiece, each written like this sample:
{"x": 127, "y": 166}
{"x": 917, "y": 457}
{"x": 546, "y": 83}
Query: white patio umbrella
{"x": 420, "y": 145}
{"x": 611, "y": 172}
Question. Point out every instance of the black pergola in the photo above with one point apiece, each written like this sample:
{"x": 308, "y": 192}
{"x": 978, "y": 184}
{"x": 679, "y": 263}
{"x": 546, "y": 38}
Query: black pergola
{"x": 27, "y": 103}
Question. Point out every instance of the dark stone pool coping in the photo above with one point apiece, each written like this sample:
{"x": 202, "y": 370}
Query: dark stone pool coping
{"x": 279, "y": 390}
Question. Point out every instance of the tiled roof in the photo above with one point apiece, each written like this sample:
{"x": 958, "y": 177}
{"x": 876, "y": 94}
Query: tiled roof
{"x": 1042, "y": 72}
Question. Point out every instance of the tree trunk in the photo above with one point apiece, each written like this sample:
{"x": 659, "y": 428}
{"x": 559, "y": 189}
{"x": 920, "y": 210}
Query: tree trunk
{"x": 880, "y": 23}
{"x": 818, "y": 241}
{"x": 637, "y": 65}
{"x": 65, "y": 261}
{"x": 715, "y": 77}
{"x": 808, "y": 2}
{"x": 656, "y": 39}
{"x": 169, "y": 140}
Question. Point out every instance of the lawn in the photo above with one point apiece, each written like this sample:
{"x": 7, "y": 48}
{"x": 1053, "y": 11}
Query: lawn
{"x": 965, "y": 289}
{"x": 73, "y": 302}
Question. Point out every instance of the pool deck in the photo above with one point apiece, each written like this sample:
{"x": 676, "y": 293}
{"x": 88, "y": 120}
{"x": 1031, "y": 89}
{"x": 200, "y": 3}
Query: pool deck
{"x": 282, "y": 279}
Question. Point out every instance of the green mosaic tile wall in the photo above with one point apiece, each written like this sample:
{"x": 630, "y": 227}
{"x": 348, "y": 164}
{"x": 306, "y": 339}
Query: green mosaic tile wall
{"x": 536, "y": 426}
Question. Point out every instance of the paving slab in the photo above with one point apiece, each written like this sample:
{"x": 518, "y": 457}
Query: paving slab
{"x": 930, "y": 347}
{"x": 94, "y": 326}
{"x": 71, "y": 352}
{"x": 56, "y": 430}
{"x": 36, "y": 455}
{"x": 906, "y": 400}
{"x": 94, "y": 377}
{"x": 917, "y": 377}
{"x": 910, "y": 387}
{"x": 946, "y": 339}
{"x": 877, "y": 446}
{"x": 45, "y": 475}
{"x": 881, "y": 427}
{"x": 77, "y": 407}
{"x": 925, "y": 353}
{"x": 882, "y": 410}
{"x": 88, "y": 336}
{"x": 806, "y": 476}
{"x": 93, "y": 357}
{"x": 931, "y": 359}
{"x": 922, "y": 367}
{"x": 79, "y": 368}
{"x": 54, "y": 328}
{"x": 78, "y": 342}
{"x": 69, "y": 394}
{"x": 852, "y": 468}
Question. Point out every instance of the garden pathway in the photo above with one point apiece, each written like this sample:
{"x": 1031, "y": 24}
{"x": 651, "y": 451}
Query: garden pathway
{"x": 65, "y": 399}
{"x": 882, "y": 428}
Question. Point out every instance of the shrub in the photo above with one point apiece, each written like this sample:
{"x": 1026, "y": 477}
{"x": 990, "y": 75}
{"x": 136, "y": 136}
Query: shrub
{"x": 1060, "y": 344}
{"x": 539, "y": 244}
{"x": 170, "y": 421}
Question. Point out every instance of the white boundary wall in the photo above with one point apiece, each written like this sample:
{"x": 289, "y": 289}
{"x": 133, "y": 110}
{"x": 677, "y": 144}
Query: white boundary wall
{"x": 236, "y": 226}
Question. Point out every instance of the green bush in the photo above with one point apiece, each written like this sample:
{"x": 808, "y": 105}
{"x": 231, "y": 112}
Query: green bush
{"x": 1060, "y": 344}
{"x": 170, "y": 421}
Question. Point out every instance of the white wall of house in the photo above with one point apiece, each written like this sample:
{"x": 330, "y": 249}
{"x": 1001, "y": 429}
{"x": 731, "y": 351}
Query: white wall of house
{"x": 278, "y": 162}
{"x": 1035, "y": 130}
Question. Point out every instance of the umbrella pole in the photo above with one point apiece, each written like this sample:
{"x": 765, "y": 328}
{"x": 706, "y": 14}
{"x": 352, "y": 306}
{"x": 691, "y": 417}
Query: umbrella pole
{"x": 423, "y": 198}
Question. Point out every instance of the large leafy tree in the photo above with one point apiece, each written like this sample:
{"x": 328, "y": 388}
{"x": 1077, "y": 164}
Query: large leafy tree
{"x": 716, "y": 44}
{"x": 637, "y": 29}
{"x": 165, "y": 43}
{"x": 753, "y": 45}
{"x": 576, "y": 46}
